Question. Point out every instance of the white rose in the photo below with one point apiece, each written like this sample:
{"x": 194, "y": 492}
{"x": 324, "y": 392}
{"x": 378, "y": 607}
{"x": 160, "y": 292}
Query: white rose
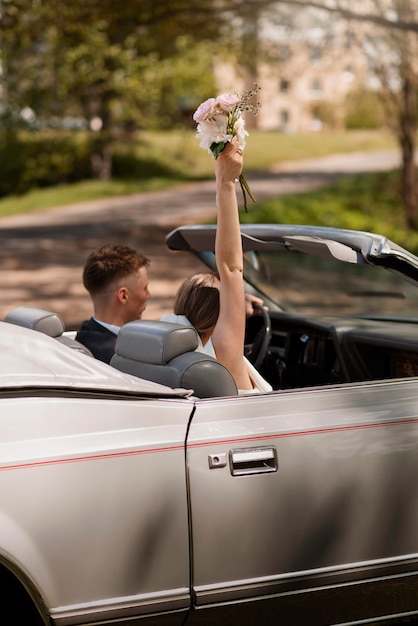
{"x": 240, "y": 132}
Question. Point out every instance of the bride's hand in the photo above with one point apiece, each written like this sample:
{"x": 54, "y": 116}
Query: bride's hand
{"x": 229, "y": 163}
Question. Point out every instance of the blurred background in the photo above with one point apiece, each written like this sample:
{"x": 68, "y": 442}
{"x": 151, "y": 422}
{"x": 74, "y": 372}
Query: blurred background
{"x": 102, "y": 91}
{"x": 97, "y": 98}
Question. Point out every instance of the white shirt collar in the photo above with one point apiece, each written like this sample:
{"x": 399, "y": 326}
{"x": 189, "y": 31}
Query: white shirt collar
{"x": 113, "y": 329}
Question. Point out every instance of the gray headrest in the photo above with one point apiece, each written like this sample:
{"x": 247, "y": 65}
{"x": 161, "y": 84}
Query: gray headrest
{"x": 165, "y": 353}
{"x": 192, "y": 370}
{"x": 155, "y": 342}
{"x": 45, "y": 322}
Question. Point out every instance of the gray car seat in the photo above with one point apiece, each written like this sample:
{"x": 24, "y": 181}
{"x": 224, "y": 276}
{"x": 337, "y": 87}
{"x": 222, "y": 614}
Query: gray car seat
{"x": 45, "y": 322}
{"x": 165, "y": 353}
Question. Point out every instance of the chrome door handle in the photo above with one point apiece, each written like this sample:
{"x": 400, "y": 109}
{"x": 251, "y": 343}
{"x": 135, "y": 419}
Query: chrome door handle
{"x": 244, "y": 461}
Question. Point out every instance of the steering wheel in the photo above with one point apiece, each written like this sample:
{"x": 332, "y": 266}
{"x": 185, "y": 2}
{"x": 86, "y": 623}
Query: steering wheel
{"x": 257, "y": 350}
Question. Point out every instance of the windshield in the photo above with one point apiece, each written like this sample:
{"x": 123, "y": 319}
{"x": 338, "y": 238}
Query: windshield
{"x": 311, "y": 285}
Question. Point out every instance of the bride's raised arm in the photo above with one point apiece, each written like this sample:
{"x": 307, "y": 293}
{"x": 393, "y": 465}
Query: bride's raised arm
{"x": 229, "y": 333}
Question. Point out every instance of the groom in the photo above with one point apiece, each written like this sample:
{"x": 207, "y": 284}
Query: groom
{"x": 116, "y": 278}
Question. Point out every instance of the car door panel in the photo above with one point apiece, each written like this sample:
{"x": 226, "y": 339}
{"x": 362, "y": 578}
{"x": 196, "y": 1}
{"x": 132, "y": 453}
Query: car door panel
{"x": 102, "y": 531}
{"x": 340, "y": 506}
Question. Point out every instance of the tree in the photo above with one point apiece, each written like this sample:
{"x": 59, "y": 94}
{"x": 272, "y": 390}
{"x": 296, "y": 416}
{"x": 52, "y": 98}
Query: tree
{"x": 117, "y": 66}
{"x": 387, "y": 32}
{"x": 392, "y": 56}
{"x": 388, "y": 36}
{"x": 136, "y": 64}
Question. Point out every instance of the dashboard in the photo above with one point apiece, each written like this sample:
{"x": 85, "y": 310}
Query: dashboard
{"x": 306, "y": 352}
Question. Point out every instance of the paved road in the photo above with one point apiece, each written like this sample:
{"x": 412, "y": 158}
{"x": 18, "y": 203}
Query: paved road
{"x": 42, "y": 254}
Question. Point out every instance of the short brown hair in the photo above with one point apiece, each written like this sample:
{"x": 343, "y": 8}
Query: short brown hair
{"x": 198, "y": 299}
{"x": 109, "y": 263}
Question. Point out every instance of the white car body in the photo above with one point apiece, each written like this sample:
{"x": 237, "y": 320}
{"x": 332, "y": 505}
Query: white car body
{"x": 124, "y": 501}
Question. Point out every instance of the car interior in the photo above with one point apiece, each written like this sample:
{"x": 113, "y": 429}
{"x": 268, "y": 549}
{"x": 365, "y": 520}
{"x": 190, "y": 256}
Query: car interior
{"x": 341, "y": 304}
{"x": 157, "y": 351}
{"x": 303, "y": 352}
{"x": 289, "y": 351}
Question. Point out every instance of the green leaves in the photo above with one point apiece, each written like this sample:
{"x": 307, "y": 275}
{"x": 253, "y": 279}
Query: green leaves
{"x": 217, "y": 148}
{"x": 136, "y": 64}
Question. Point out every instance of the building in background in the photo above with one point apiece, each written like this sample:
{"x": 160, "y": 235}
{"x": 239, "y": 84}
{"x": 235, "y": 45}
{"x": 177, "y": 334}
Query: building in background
{"x": 306, "y": 68}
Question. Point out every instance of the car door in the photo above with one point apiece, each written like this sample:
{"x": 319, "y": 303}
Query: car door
{"x": 298, "y": 498}
{"x": 93, "y": 509}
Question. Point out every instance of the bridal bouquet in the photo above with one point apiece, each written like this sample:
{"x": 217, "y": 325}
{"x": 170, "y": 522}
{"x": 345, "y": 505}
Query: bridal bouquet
{"x": 219, "y": 120}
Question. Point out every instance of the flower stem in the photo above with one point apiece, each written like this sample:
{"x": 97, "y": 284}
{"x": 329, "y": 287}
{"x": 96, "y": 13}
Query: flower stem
{"x": 245, "y": 190}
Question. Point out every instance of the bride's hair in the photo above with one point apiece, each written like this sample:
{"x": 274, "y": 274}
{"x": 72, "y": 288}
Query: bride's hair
{"x": 198, "y": 299}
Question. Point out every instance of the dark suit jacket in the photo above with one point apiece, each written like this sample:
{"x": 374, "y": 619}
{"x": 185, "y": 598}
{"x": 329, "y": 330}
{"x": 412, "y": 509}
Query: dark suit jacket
{"x": 98, "y": 339}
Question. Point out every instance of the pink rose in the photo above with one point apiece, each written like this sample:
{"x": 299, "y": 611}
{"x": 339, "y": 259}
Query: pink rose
{"x": 227, "y": 102}
{"x": 204, "y": 110}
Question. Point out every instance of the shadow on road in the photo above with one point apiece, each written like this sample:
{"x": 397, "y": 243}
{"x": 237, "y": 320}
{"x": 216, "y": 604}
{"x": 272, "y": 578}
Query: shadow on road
{"x": 42, "y": 254}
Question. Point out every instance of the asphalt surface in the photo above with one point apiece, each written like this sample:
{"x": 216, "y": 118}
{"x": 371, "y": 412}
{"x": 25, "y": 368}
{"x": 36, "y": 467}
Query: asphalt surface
{"x": 42, "y": 254}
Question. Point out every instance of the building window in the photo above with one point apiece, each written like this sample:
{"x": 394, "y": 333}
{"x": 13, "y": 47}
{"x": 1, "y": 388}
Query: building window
{"x": 349, "y": 40}
{"x": 315, "y": 54}
{"x": 284, "y": 85}
{"x": 284, "y": 119}
{"x": 348, "y": 74}
{"x": 316, "y": 89}
{"x": 283, "y": 53}
{"x": 315, "y": 124}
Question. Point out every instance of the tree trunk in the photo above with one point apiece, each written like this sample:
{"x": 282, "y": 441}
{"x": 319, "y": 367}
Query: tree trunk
{"x": 101, "y": 155}
{"x": 99, "y": 118}
{"x": 407, "y": 133}
{"x": 249, "y": 56}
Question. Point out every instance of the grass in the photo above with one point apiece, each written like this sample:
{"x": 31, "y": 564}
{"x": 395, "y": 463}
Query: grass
{"x": 368, "y": 202}
{"x": 264, "y": 149}
{"x": 62, "y": 195}
{"x": 166, "y": 158}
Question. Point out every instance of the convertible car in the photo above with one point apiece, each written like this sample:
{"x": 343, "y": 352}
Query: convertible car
{"x": 148, "y": 492}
